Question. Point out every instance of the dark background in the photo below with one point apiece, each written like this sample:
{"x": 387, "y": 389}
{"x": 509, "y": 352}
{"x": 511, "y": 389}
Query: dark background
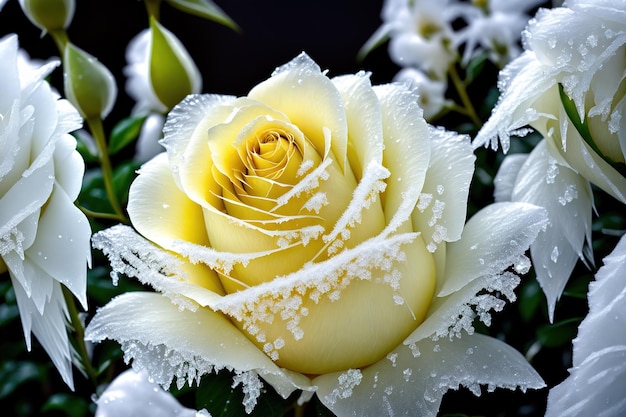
{"x": 272, "y": 33}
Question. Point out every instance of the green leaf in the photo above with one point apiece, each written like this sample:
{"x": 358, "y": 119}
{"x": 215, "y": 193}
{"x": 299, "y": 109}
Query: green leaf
{"x": 69, "y": 405}
{"x": 205, "y": 9}
{"x": 13, "y": 374}
{"x": 8, "y": 313}
{"x": 475, "y": 67}
{"x": 558, "y": 334}
{"x": 123, "y": 176}
{"x": 125, "y": 132}
{"x": 530, "y": 299}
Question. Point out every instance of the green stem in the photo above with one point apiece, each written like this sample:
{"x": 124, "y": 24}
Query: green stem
{"x": 61, "y": 39}
{"x": 95, "y": 126}
{"x": 79, "y": 331}
{"x": 153, "y": 8}
{"x": 467, "y": 103}
{"x": 99, "y": 215}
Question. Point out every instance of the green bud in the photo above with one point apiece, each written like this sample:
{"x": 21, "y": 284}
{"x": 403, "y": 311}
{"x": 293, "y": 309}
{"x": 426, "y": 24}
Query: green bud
{"x": 49, "y": 15}
{"x": 89, "y": 85}
{"x": 173, "y": 74}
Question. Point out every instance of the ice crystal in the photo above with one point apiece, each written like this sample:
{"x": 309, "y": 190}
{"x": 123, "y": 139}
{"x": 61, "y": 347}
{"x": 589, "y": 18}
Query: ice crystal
{"x": 347, "y": 381}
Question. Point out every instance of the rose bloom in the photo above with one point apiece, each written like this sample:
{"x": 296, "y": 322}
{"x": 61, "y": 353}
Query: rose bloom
{"x": 304, "y": 237}
{"x": 568, "y": 86}
{"x": 44, "y": 238}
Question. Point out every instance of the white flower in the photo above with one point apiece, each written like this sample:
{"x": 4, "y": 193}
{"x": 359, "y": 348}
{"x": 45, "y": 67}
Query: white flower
{"x": 569, "y": 86}
{"x": 495, "y": 28}
{"x": 303, "y": 257}
{"x": 132, "y": 394}
{"x": 421, "y": 34}
{"x": 431, "y": 92}
{"x": 597, "y": 378}
{"x": 44, "y": 238}
{"x": 2, "y": 2}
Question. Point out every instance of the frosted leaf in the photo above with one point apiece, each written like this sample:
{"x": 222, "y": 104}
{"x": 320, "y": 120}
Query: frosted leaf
{"x": 595, "y": 385}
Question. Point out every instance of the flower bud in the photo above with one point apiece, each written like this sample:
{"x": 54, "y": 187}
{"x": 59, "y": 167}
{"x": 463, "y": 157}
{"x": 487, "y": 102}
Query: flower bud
{"x": 89, "y": 85}
{"x": 49, "y": 15}
{"x": 172, "y": 71}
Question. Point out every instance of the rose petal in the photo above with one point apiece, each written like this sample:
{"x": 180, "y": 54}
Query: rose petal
{"x": 291, "y": 90}
{"x": 447, "y": 186}
{"x": 199, "y": 341}
{"x": 407, "y": 144}
{"x": 160, "y": 211}
{"x": 412, "y": 381}
{"x": 364, "y": 121}
{"x": 493, "y": 239}
{"x": 504, "y": 181}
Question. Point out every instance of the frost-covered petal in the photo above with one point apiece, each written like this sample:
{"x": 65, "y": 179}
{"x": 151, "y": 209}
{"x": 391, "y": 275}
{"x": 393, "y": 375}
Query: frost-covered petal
{"x": 521, "y": 83}
{"x": 441, "y": 210}
{"x": 567, "y": 198}
{"x": 596, "y": 382}
{"x": 407, "y": 144}
{"x": 194, "y": 342}
{"x": 412, "y": 380}
{"x": 291, "y": 90}
{"x": 493, "y": 239}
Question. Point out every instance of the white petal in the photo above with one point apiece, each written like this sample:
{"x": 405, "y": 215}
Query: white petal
{"x": 506, "y": 176}
{"x": 148, "y": 145}
{"x": 493, "y": 239}
{"x": 132, "y": 394}
{"x": 567, "y": 198}
{"x": 9, "y": 82}
{"x": 412, "y": 380}
{"x": 596, "y": 382}
{"x": 62, "y": 246}
{"x": 48, "y": 327}
{"x": 531, "y": 80}
{"x": 447, "y": 185}
{"x": 69, "y": 166}
{"x": 168, "y": 342}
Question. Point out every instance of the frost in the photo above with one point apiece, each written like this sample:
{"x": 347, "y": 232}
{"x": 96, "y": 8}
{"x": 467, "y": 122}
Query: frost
{"x": 569, "y": 194}
{"x": 307, "y": 184}
{"x": 251, "y": 385}
{"x": 316, "y": 202}
{"x": 366, "y": 192}
{"x": 424, "y": 201}
{"x": 554, "y": 255}
{"x": 347, "y": 381}
{"x": 284, "y": 296}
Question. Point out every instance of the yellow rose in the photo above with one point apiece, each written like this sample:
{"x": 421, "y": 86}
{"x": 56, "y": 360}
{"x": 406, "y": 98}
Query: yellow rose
{"x": 305, "y": 229}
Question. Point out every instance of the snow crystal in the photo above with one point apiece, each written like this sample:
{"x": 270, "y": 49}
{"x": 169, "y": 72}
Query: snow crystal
{"x": 437, "y": 209}
{"x": 307, "y": 184}
{"x": 251, "y": 385}
{"x": 553, "y": 171}
{"x": 407, "y": 374}
{"x": 347, "y": 381}
{"x": 316, "y": 202}
{"x": 371, "y": 185}
{"x": 424, "y": 201}
{"x": 392, "y": 358}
